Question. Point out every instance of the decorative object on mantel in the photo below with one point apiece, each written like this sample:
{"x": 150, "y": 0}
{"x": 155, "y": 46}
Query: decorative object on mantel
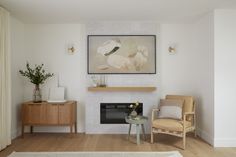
{"x": 37, "y": 76}
{"x": 121, "y": 54}
{"x": 133, "y": 107}
{"x": 102, "y": 81}
{"x": 121, "y": 89}
{"x": 94, "y": 80}
{"x": 99, "y": 81}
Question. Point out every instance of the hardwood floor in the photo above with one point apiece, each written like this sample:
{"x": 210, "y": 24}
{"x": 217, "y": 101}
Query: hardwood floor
{"x": 80, "y": 142}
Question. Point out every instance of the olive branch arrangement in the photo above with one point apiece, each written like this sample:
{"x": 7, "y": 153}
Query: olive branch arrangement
{"x": 36, "y": 75}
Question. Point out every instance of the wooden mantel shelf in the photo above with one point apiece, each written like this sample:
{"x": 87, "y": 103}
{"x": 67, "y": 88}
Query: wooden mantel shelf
{"x": 121, "y": 89}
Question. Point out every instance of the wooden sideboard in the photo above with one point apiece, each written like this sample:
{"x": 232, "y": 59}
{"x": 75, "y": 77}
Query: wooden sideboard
{"x": 49, "y": 114}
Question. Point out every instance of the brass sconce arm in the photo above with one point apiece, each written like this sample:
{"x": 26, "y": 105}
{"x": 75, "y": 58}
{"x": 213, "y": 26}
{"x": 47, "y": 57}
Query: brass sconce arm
{"x": 72, "y": 49}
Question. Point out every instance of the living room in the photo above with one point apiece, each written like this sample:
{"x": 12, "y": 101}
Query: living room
{"x": 151, "y": 54}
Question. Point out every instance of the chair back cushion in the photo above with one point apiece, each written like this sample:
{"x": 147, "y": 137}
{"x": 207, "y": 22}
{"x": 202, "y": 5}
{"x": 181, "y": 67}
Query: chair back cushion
{"x": 171, "y": 108}
{"x": 188, "y": 105}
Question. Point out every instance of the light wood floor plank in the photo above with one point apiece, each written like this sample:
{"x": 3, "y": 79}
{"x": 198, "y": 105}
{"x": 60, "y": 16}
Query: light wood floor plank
{"x": 81, "y": 142}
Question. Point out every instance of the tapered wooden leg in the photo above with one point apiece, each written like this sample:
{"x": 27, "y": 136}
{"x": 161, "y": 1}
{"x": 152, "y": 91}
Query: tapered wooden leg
{"x": 195, "y": 133}
{"x": 184, "y": 140}
{"x": 22, "y": 131}
{"x": 31, "y": 129}
{"x": 151, "y": 136}
{"x": 130, "y": 125}
{"x": 75, "y": 128}
{"x": 71, "y": 130}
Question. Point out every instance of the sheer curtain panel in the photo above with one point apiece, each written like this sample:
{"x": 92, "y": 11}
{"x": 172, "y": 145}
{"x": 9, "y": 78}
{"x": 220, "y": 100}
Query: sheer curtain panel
{"x": 5, "y": 80}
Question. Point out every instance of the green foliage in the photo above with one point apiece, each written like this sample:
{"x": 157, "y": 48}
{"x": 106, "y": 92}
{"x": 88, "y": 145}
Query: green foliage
{"x": 36, "y": 75}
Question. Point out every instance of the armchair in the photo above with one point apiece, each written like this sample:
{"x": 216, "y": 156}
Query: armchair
{"x": 176, "y": 127}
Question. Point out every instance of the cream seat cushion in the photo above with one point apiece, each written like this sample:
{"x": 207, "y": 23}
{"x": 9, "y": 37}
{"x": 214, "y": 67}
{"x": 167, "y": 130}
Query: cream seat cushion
{"x": 170, "y": 124}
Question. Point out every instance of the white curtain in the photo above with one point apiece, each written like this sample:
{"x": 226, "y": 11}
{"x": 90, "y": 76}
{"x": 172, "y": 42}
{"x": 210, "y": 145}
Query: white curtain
{"x": 5, "y": 80}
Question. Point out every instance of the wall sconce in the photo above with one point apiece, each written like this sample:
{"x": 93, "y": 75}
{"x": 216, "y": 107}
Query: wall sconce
{"x": 172, "y": 49}
{"x": 71, "y": 48}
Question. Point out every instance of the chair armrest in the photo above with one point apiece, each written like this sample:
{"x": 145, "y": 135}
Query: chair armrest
{"x": 153, "y": 112}
{"x": 189, "y": 113}
{"x": 155, "y": 109}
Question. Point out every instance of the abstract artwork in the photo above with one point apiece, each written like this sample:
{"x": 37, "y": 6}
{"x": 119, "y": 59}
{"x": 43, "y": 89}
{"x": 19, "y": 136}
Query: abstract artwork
{"x": 121, "y": 54}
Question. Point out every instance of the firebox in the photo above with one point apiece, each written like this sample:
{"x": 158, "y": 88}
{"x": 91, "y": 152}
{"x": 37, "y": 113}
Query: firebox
{"x": 114, "y": 113}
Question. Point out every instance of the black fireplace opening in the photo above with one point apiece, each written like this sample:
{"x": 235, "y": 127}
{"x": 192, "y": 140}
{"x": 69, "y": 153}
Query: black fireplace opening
{"x": 115, "y": 113}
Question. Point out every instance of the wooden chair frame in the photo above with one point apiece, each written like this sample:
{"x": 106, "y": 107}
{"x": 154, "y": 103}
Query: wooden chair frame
{"x": 182, "y": 133}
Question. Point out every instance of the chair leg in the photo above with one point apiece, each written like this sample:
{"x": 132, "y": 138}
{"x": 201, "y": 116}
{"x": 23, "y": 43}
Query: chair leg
{"x": 195, "y": 133}
{"x": 151, "y": 136}
{"x": 184, "y": 140}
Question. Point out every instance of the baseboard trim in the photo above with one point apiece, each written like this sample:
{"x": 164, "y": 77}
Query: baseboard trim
{"x": 15, "y": 134}
{"x": 205, "y": 136}
{"x": 225, "y": 142}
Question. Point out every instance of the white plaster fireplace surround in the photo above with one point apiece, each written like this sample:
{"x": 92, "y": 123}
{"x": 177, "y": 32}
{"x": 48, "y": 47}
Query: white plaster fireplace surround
{"x": 93, "y": 126}
{"x": 149, "y": 99}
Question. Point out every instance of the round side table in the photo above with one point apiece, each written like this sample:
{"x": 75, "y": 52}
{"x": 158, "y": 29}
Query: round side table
{"x": 139, "y": 122}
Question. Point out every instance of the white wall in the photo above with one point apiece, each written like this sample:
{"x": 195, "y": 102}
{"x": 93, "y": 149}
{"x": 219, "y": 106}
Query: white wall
{"x": 177, "y": 73}
{"x": 225, "y": 76}
{"x": 204, "y": 76}
{"x": 190, "y": 70}
{"x": 18, "y": 61}
{"x": 47, "y": 44}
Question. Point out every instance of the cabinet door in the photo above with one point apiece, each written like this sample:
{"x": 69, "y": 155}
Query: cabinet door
{"x": 65, "y": 113}
{"x": 36, "y": 113}
{"x": 25, "y": 114}
{"x": 52, "y": 114}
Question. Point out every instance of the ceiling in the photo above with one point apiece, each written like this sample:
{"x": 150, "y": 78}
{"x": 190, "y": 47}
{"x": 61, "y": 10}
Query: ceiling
{"x": 75, "y": 11}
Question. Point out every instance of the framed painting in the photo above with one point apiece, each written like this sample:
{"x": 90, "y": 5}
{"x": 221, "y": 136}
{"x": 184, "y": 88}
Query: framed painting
{"x": 121, "y": 54}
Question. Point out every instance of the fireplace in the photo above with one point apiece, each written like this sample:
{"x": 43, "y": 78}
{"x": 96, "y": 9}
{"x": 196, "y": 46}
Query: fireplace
{"x": 114, "y": 113}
